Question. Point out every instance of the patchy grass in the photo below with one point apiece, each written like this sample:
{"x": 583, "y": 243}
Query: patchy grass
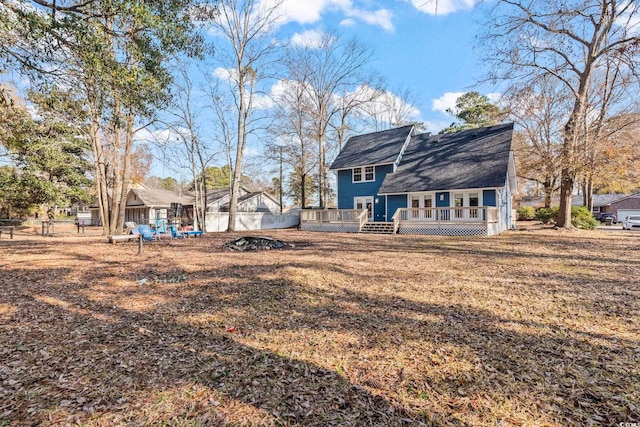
{"x": 532, "y": 328}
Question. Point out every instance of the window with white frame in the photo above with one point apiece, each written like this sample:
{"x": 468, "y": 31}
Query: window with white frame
{"x": 364, "y": 174}
{"x": 369, "y": 174}
{"x": 357, "y": 174}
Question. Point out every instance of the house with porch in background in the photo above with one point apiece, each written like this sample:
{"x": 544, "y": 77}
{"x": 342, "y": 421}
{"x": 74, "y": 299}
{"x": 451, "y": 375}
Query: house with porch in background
{"x": 399, "y": 181}
{"x": 147, "y": 205}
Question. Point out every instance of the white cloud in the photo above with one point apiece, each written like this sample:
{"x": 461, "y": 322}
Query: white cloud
{"x": 381, "y": 17}
{"x": 435, "y": 127}
{"x": 277, "y": 91}
{"x": 443, "y": 7}
{"x": 305, "y": 12}
{"x": 311, "y": 11}
{"x": 382, "y": 109}
{"x": 226, "y": 74}
{"x": 146, "y": 135}
{"x": 387, "y": 103}
{"x": 495, "y": 98}
{"x": 309, "y": 38}
{"x": 630, "y": 21}
{"x": 446, "y": 101}
{"x": 349, "y": 22}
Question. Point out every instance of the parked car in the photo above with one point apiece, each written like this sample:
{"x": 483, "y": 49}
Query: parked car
{"x": 631, "y": 221}
{"x": 597, "y": 215}
{"x": 604, "y": 216}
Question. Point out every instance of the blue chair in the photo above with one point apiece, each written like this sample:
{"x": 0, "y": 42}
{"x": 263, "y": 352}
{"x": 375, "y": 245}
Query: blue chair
{"x": 161, "y": 226}
{"x": 146, "y": 232}
{"x": 175, "y": 233}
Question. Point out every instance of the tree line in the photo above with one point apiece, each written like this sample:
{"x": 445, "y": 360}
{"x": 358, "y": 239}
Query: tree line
{"x": 104, "y": 74}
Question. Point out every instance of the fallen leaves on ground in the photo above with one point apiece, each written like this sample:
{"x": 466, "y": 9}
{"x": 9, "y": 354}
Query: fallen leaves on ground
{"x": 531, "y": 328}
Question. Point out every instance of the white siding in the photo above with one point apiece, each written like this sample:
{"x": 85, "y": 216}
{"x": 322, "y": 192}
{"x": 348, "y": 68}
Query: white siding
{"x": 218, "y": 221}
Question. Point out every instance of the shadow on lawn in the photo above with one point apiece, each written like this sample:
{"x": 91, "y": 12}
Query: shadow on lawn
{"x": 511, "y": 246}
{"x": 133, "y": 354}
{"x": 111, "y": 355}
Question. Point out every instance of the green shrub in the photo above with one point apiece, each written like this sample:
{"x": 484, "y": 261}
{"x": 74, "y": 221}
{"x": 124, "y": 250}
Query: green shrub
{"x": 581, "y": 217}
{"x": 526, "y": 213}
{"x": 546, "y": 215}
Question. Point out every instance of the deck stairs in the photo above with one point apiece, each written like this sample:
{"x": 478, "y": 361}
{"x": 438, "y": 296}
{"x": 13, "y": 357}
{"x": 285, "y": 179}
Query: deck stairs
{"x": 377, "y": 228}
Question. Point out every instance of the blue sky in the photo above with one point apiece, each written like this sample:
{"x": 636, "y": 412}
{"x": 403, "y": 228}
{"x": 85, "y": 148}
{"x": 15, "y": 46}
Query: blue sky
{"x": 416, "y": 46}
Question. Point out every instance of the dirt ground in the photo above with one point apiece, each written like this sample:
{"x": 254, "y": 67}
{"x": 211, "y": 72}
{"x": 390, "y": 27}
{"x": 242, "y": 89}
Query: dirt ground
{"x": 536, "y": 327}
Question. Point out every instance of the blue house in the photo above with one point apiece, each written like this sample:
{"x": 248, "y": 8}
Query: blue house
{"x": 398, "y": 181}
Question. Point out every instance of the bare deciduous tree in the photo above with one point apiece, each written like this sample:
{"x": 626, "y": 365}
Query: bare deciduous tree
{"x": 293, "y": 137}
{"x": 540, "y": 112}
{"x": 245, "y": 25}
{"x": 390, "y": 109}
{"x": 573, "y": 42}
{"x": 193, "y": 152}
{"x": 329, "y": 70}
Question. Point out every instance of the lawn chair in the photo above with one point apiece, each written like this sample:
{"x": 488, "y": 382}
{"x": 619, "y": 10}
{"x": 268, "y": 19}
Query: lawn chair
{"x": 146, "y": 232}
{"x": 130, "y": 225}
{"x": 175, "y": 233}
{"x": 161, "y": 230}
{"x": 161, "y": 225}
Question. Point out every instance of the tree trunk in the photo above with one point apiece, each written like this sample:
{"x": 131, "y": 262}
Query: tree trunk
{"x": 303, "y": 190}
{"x": 235, "y": 188}
{"x": 587, "y": 193}
{"x": 237, "y": 170}
{"x": 321, "y": 182}
{"x": 548, "y": 193}
{"x": 100, "y": 168}
{"x": 280, "y": 182}
{"x": 126, "y": 171}
{"x": 566, "y": 190}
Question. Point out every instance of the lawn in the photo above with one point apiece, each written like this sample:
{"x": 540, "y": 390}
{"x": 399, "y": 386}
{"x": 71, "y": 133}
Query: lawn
{"x": 535, "y": 327}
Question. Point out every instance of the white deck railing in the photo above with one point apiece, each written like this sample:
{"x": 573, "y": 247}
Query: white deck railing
{"x": 354, "y": 217}
{"x": 447, "y": 215}
{"x": 462, "y": 220}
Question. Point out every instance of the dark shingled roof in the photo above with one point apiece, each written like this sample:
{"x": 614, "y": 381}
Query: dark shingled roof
{"x": 473, "y": 158}
{"x": 600, "y": 200}
{"x": 372, "y": 148}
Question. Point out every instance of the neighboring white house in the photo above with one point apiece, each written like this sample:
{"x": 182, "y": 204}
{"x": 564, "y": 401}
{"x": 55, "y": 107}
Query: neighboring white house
{"x": 145, "y": 205}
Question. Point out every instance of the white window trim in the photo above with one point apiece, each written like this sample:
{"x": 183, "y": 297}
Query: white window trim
{"x": 353, "y": 175}
{"x": 363, "y": 174}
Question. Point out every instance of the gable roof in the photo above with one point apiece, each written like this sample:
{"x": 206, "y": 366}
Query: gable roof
{"x": 600, "y": 200}
{"x": 373, "y": 148}
{"x": 257, "y": 193}
{"x": 217, "y": 194}
{"x": 249, "y": 196}
{"x": 154, "y": 197}
{"x": 473, "y": 158}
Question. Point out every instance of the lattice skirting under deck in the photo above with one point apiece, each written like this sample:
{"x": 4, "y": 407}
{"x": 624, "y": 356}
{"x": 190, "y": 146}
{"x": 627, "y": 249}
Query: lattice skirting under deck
{"x": 444, "y": 230}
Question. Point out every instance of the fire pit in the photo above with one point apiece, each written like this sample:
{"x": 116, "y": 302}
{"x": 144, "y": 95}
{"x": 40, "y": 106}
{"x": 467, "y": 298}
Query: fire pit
{"x": 255, "y": 244}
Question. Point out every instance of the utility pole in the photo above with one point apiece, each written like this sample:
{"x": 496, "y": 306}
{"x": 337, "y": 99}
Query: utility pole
{"x": 280, "y": 191}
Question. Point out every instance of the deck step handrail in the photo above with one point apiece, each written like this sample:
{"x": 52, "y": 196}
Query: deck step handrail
{"x": 396, "y": 221}
{"x": 363, "y": 217}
